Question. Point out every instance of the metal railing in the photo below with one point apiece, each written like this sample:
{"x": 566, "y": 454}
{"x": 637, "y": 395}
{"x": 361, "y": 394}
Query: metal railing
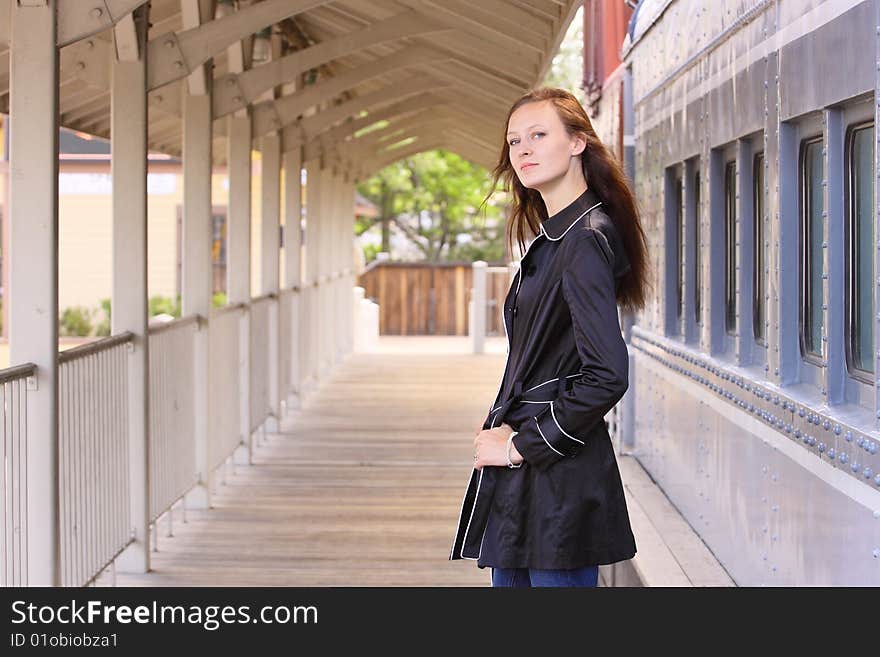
{"x": 13, "y": 476}
{"x": 225, "y": 387}
{"x": 263, "y": 309}
{"x": 287, "y": 301}
{"x": 94, "y": 479}
{"x": 172, "y": 413}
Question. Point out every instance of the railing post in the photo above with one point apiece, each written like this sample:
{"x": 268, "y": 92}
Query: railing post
{"x": 128, "y": 108}
{"x": 359, "y": 324}
{"x": 478, "y": 321}
{"x": 33, "y": 273}
{"x": 196, "y": 272}
{"x": 292, "y": 264}
{"x": 270, "y": 254}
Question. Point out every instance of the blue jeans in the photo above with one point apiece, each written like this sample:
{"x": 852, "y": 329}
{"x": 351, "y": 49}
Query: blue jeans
{"x": 528, "y": 577}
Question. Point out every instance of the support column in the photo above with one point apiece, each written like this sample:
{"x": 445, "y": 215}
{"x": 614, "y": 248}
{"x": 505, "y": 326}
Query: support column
{"x": 196, "y": 271}
{"x": 128, "y": 110}
{"x": 238, "y": 235}
{"x": 348, "y": 215}
{"x": 309, "y": 343}
{"x": 292, "y": 264}
{"x": 270, "y": 253}
{"x": 33, "y": 274}
{"x": 324, "y": 267}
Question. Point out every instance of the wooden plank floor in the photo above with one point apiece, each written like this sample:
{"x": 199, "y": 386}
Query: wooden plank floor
{"x": 361, "y": 487}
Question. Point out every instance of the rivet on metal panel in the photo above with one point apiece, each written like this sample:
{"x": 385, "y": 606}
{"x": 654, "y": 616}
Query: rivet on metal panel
{"x": 96, "y": 13}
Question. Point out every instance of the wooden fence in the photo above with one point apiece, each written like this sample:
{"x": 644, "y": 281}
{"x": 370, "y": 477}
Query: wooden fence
{"x": 430, "y": 298}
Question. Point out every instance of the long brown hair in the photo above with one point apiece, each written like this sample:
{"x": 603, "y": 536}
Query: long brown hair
{"x": 604, "y": 176}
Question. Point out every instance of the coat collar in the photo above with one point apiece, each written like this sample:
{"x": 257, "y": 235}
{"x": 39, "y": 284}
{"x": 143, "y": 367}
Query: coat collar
{"x": 556, "y": 226}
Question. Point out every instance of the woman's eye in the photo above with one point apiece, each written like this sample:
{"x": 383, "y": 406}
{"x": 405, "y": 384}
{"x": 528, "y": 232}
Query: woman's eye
{"x": 538, "y": 133}
{"x": 512, "y": 141}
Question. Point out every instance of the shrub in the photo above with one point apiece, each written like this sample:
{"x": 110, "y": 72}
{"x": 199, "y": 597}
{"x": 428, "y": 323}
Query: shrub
{"x": 102, "y": 328}
{"x": 160, "y": 304}
{"x": 76, "y": 320}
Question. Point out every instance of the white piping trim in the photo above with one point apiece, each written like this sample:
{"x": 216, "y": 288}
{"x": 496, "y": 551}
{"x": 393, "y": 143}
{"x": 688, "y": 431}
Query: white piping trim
{"x": 470, "y": 519}
{"x": 560, "y": 428}
{"x": 536, "y": 387}
{"x": 555, "y": 239}
{"x": 538, "y": 424}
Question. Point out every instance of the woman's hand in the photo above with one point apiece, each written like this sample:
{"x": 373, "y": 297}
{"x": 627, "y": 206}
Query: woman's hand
{"x": 490, "y": 447}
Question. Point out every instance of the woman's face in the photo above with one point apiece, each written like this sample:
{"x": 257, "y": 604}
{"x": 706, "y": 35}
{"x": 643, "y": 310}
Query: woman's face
{"x": 541, "y": 150}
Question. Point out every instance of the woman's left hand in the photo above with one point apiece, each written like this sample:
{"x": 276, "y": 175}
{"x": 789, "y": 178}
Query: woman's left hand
{"x": 490, "y": 447}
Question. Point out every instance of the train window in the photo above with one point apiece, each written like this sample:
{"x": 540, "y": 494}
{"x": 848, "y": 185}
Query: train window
{"x": 812, "y": 235}
{"x": 698, "y": 283}
{"x": 859, "y": 252}
{"x": 730, "y": 247}
{"x": 759, "y": 284}
{"x": 679, "y": 248}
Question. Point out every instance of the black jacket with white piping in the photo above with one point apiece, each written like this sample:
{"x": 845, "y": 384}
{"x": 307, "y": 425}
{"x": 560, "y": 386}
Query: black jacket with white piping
{"x": 567, "y": 366}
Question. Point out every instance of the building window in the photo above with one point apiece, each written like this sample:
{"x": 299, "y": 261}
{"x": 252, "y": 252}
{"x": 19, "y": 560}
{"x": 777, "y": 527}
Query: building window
{"x": 679, "y": 248}
{"x": 760, "y": 276}
{"x": 812, "y": 235}
{"x": 730, "y": 247}
{"x": 859, "y": 252}
{"x": 698, "y": 277}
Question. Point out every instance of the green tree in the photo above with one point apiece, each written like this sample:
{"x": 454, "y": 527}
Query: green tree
{"x": 433, "y": 198}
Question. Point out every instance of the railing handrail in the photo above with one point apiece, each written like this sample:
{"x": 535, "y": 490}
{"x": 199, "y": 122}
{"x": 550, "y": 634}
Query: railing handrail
{"x": 158, "y": 327}
{"x": 94, "y": 347}
{"x": 264, "y": 297}
{"x": 17, "y": 372}
{"x": 228, "y": 308}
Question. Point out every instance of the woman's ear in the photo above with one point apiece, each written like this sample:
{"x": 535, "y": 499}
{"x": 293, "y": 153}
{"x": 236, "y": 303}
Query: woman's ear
{"x": 578, "y": 145}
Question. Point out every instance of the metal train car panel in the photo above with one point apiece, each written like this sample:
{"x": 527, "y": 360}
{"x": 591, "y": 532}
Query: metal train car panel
{"x": 753, "y": 392}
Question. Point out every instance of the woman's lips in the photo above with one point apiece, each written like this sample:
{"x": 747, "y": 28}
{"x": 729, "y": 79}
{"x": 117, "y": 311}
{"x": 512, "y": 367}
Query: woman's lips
{"x": 526, "y": 166}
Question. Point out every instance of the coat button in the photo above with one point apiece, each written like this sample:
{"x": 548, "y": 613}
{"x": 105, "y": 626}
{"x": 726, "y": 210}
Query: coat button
{"x": 514, "y": 311}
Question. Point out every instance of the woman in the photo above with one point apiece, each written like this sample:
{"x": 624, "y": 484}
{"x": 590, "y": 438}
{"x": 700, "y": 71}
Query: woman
{"x": 545, "y": 505}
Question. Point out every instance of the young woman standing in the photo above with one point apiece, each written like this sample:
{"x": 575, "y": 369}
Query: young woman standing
{"x": 545, "y": 504}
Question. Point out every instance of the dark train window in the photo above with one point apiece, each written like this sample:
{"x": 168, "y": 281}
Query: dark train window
{"x": 760, "y": 277}
{"x": 730, "y": 247}
{"x": 698, "y": 279}
{"x": 679, "y": 249}
{"x": 860, "y": 251}
{"x": 812, "y": 235}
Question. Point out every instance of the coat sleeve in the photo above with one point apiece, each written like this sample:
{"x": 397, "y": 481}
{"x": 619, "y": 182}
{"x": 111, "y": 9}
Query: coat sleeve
{"x": 588, "y": 287}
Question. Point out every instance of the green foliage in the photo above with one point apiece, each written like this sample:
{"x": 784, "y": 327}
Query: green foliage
{"x": 433, "y": 198}
{"x": 160, "y": 304}
{"x": 219, "y": 299}
{"x": 370, "y": 251}
{"x": 75, "y": 321}
{"x": 102, "y": 328}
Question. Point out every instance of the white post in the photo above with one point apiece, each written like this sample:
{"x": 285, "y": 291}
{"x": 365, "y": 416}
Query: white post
{"x": 128, "y": 110}
{"x": 33, "y": 274}
{"x": 325, "y": 333}
{"x": 349, "y": 261}
{"x": 292, "y": 264}
{"x": 196, "y": 271}
{"x": 270, "y": 254}
{"x": 238, "y": 273}
{"x": 478, "y": 337}
{"x": 311, "y": 310}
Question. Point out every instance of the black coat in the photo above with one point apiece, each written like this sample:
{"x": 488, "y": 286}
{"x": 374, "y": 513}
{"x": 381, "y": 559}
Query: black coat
{"x": 567, "y": 366}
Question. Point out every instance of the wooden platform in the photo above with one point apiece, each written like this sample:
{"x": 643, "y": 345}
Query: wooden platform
{"x": 361, "y": 487}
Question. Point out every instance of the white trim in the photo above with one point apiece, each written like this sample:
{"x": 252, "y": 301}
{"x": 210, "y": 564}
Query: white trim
{"x": 470, "y": 519}
{"x": 538, "y": 424}
{"x": 556, "y": 239}
{"x": 560, "y": 428}
{"x": 568, "y": 376}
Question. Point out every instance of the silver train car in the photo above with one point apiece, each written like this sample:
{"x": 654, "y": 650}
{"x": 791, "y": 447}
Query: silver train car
{"x": 749, "y": 131}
